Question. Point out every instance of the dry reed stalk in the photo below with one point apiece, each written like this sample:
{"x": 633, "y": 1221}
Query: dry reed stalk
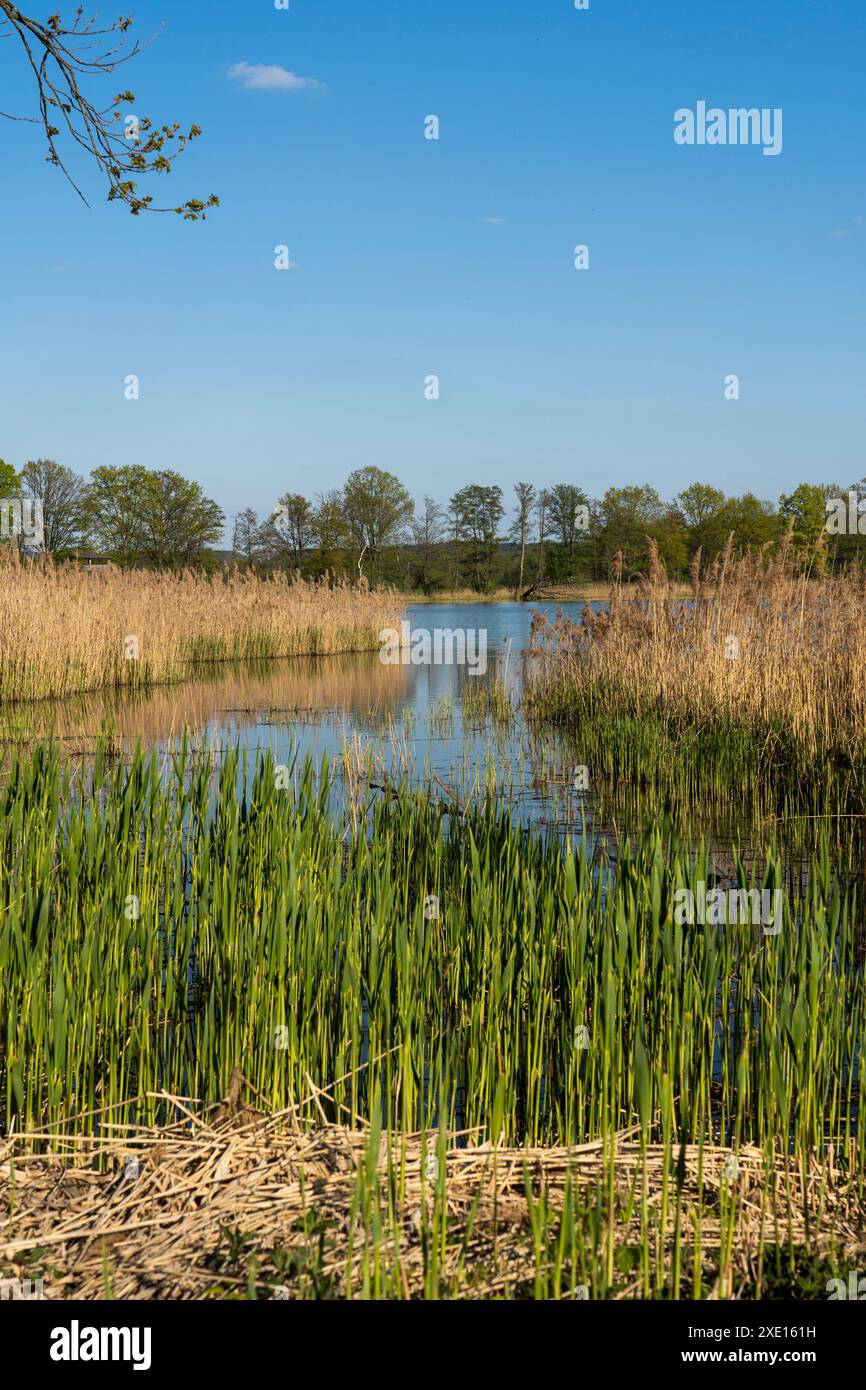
{"x": 761, "y": 643}
{"x": 64, "y": 630}
{"x": 230, "y": 1168}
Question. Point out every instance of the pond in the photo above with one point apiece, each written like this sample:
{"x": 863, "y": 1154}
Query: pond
{"x": 420, "y": 720}
{"x": 411, "y": 717}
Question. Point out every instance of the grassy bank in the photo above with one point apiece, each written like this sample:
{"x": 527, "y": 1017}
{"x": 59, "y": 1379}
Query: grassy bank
{"x": 64, "y": 629}
{"x": 160, "y": 934}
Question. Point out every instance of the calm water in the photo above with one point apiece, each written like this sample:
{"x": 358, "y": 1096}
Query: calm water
{"x": 409, "y": 719}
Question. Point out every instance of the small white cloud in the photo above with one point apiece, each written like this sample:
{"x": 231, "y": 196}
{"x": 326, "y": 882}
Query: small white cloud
{"x": 840, "y": 233}
{"x": 495, "y": 221}
{"x": 270, "y": 77}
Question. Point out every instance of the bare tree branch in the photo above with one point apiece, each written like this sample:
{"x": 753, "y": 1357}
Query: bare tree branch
{"x": 61, "y": 60}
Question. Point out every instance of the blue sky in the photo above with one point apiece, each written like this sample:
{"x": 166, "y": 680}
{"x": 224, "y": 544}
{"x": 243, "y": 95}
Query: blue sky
{"x": 455, "y": 257}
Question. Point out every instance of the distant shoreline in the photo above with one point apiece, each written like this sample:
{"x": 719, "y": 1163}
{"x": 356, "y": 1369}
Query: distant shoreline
{"x": 556, "y": 593}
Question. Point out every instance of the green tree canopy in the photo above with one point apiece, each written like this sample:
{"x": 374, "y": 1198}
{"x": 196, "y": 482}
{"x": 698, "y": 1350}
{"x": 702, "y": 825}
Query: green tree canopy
{"x": 331, "y": 531}
{"x": 566, "y": 500}
{"x": 628, "y": 515}
{"x": 753, "y": 521}
{"x": 10, "y": 481}
{"x": 377, "y": 509}
{"x": 699, "y": 503}
{"x": 157, "y": 516}
{"x": 807, "y": 506}
{"x": 476, "y": 512}
{"x": 700, "y": 507}
{"x": 290, "y": 531}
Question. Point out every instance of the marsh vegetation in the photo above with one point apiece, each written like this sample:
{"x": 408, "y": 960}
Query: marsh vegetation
{"x": 361, "y": 941}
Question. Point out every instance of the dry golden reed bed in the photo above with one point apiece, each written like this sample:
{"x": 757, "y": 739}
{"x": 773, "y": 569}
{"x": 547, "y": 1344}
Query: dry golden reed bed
{"x": 64, "y": 629}
{"x": 767, "y": 644}
{"x": 230, "y": 1203}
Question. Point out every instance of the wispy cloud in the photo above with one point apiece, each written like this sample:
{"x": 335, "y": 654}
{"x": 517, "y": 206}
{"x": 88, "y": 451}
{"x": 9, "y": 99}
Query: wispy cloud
{"x": 496, "y": 221}
{"x": 840, "y": 233}
{"x": 270, "y": 77}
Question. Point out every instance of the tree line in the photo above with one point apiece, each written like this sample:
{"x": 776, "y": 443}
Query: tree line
{"x": 484, "y": 539}
{"x": 481, "y": 538}
{"x": 132, "y": 515}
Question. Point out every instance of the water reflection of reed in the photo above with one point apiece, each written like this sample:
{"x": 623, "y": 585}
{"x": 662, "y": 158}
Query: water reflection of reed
{"x": 530, "y": 770}
{"x": 614, "y": 812}
{"x": 227, "y": 697}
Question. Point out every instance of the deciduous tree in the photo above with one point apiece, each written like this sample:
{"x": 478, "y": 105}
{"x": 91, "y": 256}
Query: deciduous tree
{"x": 62, "y": 493}
{"x": 525, "y": 493}
{"x": 377, "y": 509}
{"x": 476, "y": 512}
{"x": 159, "y": 517}
{"x": 290, "y": 532}
{"x": 246, "y": 535}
